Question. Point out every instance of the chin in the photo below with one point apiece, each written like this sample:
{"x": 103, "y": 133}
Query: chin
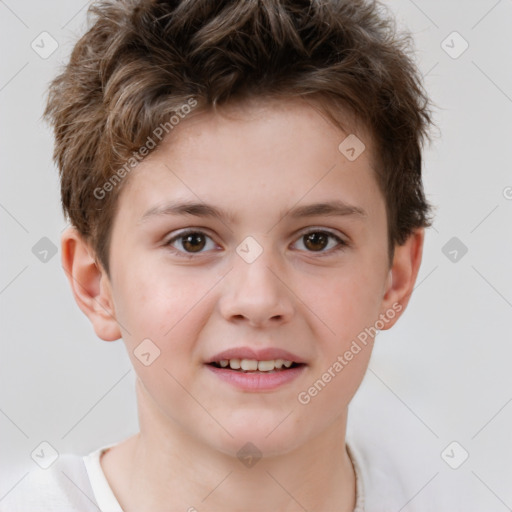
{"x": 255, "y": 439}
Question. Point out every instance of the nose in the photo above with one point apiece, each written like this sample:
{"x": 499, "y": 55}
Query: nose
{"x": 256, "y": 294}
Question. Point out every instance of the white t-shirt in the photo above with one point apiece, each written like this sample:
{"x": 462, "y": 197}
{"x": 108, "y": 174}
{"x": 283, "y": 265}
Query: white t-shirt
{"x": 77, "y": 483}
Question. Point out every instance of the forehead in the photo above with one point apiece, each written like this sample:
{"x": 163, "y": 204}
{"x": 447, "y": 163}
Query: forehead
{"x": 286, "y": 149}
{"x": 272, "y": 123}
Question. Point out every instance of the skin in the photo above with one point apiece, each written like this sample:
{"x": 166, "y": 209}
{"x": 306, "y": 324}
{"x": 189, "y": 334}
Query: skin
{"x": 256, "y": 161}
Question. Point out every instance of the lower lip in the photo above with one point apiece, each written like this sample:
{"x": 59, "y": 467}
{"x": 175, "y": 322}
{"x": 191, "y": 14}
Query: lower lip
{"x": 261, "y": 381}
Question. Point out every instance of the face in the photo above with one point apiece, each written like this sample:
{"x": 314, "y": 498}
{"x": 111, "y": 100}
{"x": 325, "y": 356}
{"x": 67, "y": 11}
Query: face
{"x": 250, "y": 263}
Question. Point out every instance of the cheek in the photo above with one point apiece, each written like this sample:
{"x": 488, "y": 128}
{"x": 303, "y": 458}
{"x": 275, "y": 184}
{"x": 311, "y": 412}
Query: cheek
{"x": 345, "y": 303}
{"x": 347, "y": 307}
{"x": 163, "y": 317}
{"x": 167, "y": 307}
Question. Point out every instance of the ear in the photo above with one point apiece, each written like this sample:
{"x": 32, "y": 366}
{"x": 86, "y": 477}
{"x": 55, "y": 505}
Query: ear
{"x": 402, "y": 276}
{"x": 90, "y": 284}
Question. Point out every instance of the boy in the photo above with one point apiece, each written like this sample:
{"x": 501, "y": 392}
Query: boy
{"x": 244, "y": 185}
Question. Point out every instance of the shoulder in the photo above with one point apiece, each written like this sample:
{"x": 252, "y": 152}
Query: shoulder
{"x": 395, "y": 467}
{"x": 380, "y": 484}
{"x": 63, "y": 487}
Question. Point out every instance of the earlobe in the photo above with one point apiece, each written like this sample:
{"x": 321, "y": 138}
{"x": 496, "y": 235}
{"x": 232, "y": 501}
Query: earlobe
{"x": 402, "y": 276}
{"x": 90, "y": 285}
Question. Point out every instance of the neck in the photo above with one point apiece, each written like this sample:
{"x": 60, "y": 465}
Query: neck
{"x": 165, "y": 464}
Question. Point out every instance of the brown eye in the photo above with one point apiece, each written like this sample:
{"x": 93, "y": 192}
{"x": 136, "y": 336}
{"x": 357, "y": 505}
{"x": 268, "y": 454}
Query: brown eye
{"x": 193, "y": 242}
{"x": 316, "y": 241}
{"x": 322, "y": 242}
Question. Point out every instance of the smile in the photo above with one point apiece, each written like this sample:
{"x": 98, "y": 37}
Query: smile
{"x": 252, "y": 365}
{"x": 253, "y": 375}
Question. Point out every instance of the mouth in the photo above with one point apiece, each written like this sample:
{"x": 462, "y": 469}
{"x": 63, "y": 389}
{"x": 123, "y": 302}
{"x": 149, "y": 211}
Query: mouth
{"x": 251, "y": 369}
{"x": 254, "y": 376}
{"x": 255, "y": 366}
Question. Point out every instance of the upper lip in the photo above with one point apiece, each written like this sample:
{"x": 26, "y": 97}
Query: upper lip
{"x": 259, "y": 354}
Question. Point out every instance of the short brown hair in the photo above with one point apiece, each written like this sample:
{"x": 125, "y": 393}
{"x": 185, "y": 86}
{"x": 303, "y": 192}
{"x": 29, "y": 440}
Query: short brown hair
{"x": 142, "y": 61}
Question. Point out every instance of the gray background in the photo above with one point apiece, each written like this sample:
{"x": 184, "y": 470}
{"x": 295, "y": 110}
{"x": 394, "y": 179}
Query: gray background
{"x": 442, "y": 374}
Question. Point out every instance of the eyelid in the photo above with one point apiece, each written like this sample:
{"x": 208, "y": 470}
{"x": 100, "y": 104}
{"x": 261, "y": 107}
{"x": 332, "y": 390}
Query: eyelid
{"x": 320, "y": 229}
{"x": 187, "y": 231}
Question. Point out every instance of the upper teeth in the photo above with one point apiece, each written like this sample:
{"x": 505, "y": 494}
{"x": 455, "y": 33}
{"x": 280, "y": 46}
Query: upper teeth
{"x": 253, "y": 364}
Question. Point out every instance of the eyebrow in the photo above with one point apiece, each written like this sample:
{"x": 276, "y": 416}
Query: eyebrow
{"x": 329, "y": 208}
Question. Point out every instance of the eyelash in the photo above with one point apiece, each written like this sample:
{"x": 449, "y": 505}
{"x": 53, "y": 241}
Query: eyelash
{"x": 341, "y": 243}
